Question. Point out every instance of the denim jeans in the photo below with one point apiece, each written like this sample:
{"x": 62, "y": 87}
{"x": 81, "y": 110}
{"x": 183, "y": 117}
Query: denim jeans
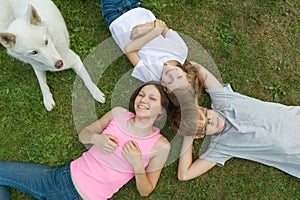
{"x": 38, "y": 181}
{"x": 112, "y": 9}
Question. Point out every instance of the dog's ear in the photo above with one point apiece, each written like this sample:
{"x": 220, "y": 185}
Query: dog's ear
{"x": 33, "y": 16}
{"x": 8, "y": 40}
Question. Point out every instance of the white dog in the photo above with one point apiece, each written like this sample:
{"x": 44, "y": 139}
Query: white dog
{"x": 34, "y": 32}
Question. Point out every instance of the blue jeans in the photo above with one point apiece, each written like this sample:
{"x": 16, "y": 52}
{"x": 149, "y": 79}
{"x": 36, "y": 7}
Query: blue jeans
{"x": 38, "y": 181}
{"x": 112, "y": 9}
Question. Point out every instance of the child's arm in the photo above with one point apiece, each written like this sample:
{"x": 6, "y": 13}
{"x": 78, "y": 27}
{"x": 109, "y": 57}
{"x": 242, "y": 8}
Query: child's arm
{"x": 133, "y": 47}
{"x": 142, "y": 29}
{"x": 210, "y": 81}
{"x": 187, "y": 169}
{"x": 91, "y": 134}
{"x": 146, "y": 179}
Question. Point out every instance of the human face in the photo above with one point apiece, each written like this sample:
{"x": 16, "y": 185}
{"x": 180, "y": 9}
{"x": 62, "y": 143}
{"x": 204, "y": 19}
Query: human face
{"x": 173, "y": 77}
{"x": 210, "y": 122}
{"x": 148, "y": 102}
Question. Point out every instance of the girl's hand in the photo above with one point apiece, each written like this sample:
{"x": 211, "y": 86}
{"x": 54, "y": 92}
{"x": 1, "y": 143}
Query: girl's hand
{"x": 132, "y": 153}
{"x": 105, "y": 142}
{"x": 161, "y": 26}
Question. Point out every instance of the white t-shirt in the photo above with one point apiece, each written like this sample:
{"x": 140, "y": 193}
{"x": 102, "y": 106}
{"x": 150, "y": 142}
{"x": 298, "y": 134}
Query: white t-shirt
{"x": 155, "y": 53}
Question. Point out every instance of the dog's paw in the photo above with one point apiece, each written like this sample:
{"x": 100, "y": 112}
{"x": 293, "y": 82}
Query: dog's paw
{"x": 49, "y": 103}
{"x": 98, "y": 95}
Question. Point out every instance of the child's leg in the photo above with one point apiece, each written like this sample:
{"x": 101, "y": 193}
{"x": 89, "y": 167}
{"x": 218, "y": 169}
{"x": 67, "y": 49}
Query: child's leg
{"x": 37, "y": 180}
{"x": 112, "y": 9}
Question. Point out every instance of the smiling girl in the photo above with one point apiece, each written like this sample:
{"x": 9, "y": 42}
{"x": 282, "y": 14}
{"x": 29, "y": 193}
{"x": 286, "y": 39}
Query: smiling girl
{"x": 125, "y": 145}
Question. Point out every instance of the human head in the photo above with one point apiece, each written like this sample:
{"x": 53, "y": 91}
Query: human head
{"x": 164, "y": 100}
{"x": 181, "y": 76}
{"x": 173, "y": 77}
{"x": 210, "y": 122}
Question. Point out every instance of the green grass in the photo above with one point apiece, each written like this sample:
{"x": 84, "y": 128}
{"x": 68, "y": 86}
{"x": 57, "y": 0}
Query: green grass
{"x": 254, "y": 44}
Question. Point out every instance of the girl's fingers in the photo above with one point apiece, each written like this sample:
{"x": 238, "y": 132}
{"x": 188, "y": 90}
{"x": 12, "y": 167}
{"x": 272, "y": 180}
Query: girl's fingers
{"x": 130, "y": 146}
{"x": 127, "y": 147}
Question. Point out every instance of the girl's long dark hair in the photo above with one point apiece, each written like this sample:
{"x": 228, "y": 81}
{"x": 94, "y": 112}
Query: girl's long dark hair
{"x": 183, "y": 112}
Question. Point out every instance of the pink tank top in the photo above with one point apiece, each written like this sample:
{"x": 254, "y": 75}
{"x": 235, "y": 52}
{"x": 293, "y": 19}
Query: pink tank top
{"x": 99, "y": 175}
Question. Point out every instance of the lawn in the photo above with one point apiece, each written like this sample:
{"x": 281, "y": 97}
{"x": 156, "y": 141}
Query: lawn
{"x": 254, "y": 45}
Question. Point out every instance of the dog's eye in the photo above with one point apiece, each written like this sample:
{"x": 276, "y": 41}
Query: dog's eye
{"x": 46, "y": 42}
{"x": 34, "y": 53}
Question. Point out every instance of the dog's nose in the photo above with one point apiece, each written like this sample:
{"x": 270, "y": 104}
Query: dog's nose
{"x": 59, "y": 64}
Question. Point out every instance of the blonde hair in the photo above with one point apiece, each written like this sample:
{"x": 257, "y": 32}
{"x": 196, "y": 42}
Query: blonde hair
{"x": 183, "y": 109}
{"x": 194, "y": 77}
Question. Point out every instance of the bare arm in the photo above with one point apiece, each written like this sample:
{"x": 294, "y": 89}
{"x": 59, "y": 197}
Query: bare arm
{"x": 146, "y": 179}
{"x": 91, "y": 134}
{"x": 146, "y": 183}
{"x": 187, "y": 169}
{"x": 142, "y": 29}
{"x": 133, "y": 47}
{"x": 210, "y": 81}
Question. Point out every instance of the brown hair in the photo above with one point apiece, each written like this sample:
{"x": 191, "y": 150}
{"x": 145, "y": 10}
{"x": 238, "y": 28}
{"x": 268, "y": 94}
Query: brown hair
{"x": 183, "y": 112}
{"x": 164, "y": 100}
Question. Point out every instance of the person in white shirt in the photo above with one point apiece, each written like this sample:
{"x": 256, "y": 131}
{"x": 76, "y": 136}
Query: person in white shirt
{"x": 155, "y": 51}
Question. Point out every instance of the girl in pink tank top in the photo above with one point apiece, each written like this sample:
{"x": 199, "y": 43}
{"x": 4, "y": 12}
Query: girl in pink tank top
{"x": 125, "y": 145}
{"x": 129, "y": 146}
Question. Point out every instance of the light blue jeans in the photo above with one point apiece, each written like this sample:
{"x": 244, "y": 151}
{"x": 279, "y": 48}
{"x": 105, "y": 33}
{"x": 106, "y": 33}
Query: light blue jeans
{"x": 112, "y": 9}
{"x": 38, "y": 181}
